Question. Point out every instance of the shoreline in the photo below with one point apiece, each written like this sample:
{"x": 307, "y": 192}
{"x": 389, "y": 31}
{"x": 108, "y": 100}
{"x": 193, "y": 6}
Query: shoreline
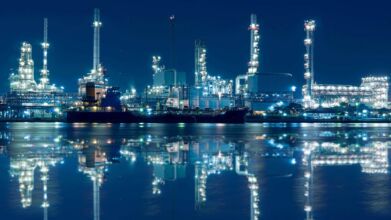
{"x": 247, "y": 121}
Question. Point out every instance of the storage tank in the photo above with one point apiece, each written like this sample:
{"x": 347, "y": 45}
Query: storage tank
{"x": 270, "y": 83}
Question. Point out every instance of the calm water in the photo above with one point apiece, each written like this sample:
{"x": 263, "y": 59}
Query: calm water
{"x": 182, "y": 171}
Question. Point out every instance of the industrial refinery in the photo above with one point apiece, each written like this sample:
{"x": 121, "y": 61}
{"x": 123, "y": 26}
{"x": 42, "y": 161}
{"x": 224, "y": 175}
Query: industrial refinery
{"x": 373, "y": 90}
{"x": 261, "y": 93}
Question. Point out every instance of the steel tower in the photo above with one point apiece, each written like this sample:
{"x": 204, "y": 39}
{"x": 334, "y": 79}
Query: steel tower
{"x": 44, "y": 81}
{"x": 309, "y": 27}
{"x": 201, "y": 72}
{"x": 97, "y": 24}
{"x": 253, "y": 65}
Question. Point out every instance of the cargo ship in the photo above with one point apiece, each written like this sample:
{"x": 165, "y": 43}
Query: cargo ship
{"x": 221, "y": 116}
{"x": 110, "y": 110}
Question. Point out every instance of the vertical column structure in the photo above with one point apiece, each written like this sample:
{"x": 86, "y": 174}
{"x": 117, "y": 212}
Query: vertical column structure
{"x": 253, "y": 65}
{"x": 309, "y": 27}
{"x": 97, "y": 24}
{"x": 26, "y": 69}
{"x": 45, "y": 177}
{"x": 172, "y": 41}
{"x": 200, "y": 178}
{"x": 96, "y": 192}
{"x": 201, "y": 72}
{"x": 308, "y": 177}
{"x": 44, "y": 81}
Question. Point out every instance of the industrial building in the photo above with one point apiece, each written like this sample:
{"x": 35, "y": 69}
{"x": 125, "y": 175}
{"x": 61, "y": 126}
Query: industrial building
{"x": 93, "y": 86}
{"x": 268, "y": 90}
{"x": 166, "y": 77}
{"x": 169, "y": 87}
{"x": 29, "y": 99}
{"x": 261, "y": 91}
{"x": 209, "y": 91}
{"x": 241, "y": 82}
{"x": 373, "y": 90}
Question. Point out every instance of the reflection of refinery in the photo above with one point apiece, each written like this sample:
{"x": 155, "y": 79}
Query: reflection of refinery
{"x": 94, "y": 159}
{"x": 373, "y": 159}
{"x": 215, "y": 164}
{"x": 174, "y": 158}
{"x": 42, "y": 153}
{"x": 170, "y": 160}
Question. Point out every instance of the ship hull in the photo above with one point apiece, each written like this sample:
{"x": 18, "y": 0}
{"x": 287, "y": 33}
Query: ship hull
{"x": 229, "y": 116}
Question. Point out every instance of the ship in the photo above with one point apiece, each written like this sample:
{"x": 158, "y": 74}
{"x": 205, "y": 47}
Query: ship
{"x": 234, "y": 115}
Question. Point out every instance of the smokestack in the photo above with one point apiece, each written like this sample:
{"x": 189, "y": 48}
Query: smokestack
{"x": 45, "y": 46}
{"x": 96, "y": 25}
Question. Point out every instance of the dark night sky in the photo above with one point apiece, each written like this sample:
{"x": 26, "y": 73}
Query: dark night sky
{"x": 352, "y": 38}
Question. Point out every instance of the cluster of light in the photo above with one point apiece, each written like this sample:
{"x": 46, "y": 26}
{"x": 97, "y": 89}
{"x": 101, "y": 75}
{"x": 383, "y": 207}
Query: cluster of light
{"x": 373, "y": 91}
{"x": 24, "y": 80}
{"x": 156, "y": 66}
{"x": 44, "y": 81}
{"x": 129, "y": 95}
{"x": 253, "y": 186}
{"x": 215, "y": 86}
{"x": 209, "y": 85}
{"x": 309, "y": 27}
{"x": 253, "y": 65}
{"x": 215, "y": 165}
{"x": 201, "y": 72}
{"x": 158, "y": 90}
{"x": 241, "y": 85}
{"x": 156, "y": 159}
{"x": 379, "y": 87}
{"x": 373, "y": 159}
{"x": 96, "y": 174}
{"x": 201, "y": 175}
{"x": 24, "y": 168}
{"x": 129, "y": 155}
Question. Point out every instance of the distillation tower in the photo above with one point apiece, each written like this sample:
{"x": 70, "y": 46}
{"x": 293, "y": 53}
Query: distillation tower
{"x": 309, "y": 27}
{"x": 201, "y": 72}
{"x": 242, "y": 87}
{"x": 44, "y": 81}
{"x": 24, "y": 80}
{"x": 208, "y": 84}
{"x": 253, "y": 65}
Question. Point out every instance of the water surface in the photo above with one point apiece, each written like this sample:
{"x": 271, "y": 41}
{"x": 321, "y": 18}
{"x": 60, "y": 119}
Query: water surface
{"x": 194, "y": 171}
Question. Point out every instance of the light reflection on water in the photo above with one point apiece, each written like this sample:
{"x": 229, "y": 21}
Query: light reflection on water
{"x": 187, "y": 171}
